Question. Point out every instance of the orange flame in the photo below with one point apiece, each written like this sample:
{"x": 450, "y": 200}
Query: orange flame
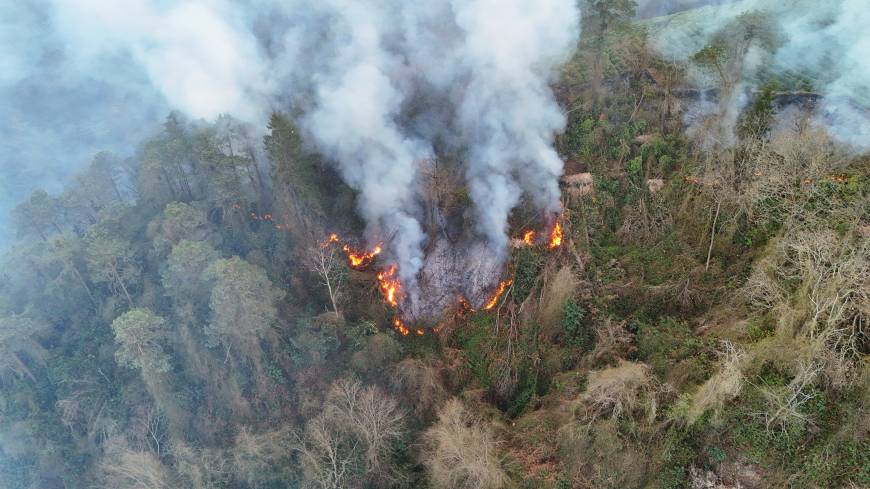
{"x": 529, "y": 237}
{"x": 400, "y": 327}
{"x": 501, "y": 288}
{"x": 556, "y": 236}
{"x": 356, "y": 259}
{"x": 333, "y": 238}
{"x": 390, "y": 286}
{"x": 360, "y": 259}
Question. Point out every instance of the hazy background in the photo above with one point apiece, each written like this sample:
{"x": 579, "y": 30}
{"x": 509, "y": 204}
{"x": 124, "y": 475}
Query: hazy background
{"x": 57, "y": 110}
{"x": 61, "y": 102}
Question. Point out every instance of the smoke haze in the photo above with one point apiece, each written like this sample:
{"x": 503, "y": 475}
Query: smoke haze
{"x": 824, "y": 41}
{"x": 380, "y": 85}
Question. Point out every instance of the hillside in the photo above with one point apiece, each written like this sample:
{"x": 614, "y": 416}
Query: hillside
{"x": 230, "y": 307}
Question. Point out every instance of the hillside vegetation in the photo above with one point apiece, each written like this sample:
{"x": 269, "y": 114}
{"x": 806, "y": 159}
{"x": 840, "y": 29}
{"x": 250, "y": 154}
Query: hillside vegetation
{"x": 172, "y": 320}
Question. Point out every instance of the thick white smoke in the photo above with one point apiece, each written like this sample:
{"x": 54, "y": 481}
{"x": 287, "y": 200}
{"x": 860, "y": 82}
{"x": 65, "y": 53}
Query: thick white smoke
{"x": 378, "y": 83}
{"x": 387, "y": 79}
{"x": 825, "y": 41}
{"x": 834, "y": 43}
{"x": 355, "y": 120}
{"x": 198, "y": 54}
{"x": 507, "y": 111}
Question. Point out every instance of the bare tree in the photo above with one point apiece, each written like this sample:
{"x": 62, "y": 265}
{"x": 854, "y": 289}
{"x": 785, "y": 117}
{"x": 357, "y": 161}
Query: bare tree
{"x": 259, "y": 457}
{"x": 83, "y": 411}
{"x": 352, "y": 439}
{"x": 124, "y": 468}
{"x": 149, "y": 433}
{"x": 328, "y": 264}
{"x": 373, "y": 415}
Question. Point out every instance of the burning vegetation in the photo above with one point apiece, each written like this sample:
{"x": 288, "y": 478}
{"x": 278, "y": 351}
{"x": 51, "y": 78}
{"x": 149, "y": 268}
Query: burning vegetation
{"x": 391, "y": 287}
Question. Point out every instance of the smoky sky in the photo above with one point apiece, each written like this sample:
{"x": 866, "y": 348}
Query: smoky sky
{"x": 80, "y": 76}
{"x": 57, "y": 112}
{"x": 97, "y": 74}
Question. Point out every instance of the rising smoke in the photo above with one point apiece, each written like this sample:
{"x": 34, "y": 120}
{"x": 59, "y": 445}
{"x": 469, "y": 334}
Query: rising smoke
{"x": 356, "y": 70}
{"x": 824, "y": 41}
{"x": 385, "y": 85}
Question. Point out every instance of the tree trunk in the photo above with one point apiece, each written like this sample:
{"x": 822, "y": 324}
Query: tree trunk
{"x": 712, "y": 235}
{"x": 123, "y": 287}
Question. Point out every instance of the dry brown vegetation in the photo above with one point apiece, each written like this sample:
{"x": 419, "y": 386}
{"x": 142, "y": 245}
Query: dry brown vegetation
{"x": 351, "y": 441}
{"x": 628, "y": 389}
{"x": 461, "y": 452}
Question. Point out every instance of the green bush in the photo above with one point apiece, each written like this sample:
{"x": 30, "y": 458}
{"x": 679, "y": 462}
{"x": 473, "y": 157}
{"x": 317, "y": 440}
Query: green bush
{"x": 576, "y": 330}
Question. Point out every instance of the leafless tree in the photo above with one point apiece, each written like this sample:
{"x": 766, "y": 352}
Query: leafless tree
{"x": 83, "y": 411}
{"x": 125, "y": 468}
{"x": 784, "y": 404}
{"x": 352, "y": 439}
{"x": 328, "y": 264}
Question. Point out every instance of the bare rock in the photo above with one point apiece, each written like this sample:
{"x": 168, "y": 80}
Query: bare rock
{"x": 467, "y": 270}
{"x": 579, "y": 184}
{"x": 655, "y": 184}
{"x": 644, "y": 139}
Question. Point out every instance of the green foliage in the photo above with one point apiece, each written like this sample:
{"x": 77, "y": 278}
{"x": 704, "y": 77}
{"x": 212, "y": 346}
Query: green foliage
{"x": 183, "y": 275}
{"x": 670, "y": 341}
{"x": 242, "y": 303}
{"x": 577, "y": 331}
{"x": 292, "y": 165}
{"x": 678, "y": 450}
{"x": 179, "y": 222}
{"x": 602, "y": 15}
{"x": 755, "y": 121}
{"x": 527, "y": 262}
{"x": 711, "y": 56}
{"x": 761, "y": 328}
{"x": 18, "y": 342}
{"x": 635, "y": 167}
{"x": 141, "y": 335}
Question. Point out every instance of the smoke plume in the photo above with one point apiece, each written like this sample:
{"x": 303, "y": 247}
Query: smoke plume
{"x": 385, "y": 81}
{"x": 823, "y": 41}
{"x": 377, "y": 85}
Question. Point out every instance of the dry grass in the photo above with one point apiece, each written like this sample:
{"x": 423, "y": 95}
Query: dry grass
{"x": 725, "y": 385}
{"x": 613, "y": 342}
{"x": 461, "y": 452}
{"x": 420, "y": 381}
{"x": 559, "y": 288}
{"x": 125, "y": 468}
{"x": 818, "y": 284}
{"x": 626, "y": 389}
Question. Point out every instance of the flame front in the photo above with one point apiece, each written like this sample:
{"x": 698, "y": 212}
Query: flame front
{"x": 556, "y": 236}
{"x": 356, "y": 259}
{"x": 400, "y": 327}
{"x": 390, "y": 286}
{"x": 360, "y": 259}
{"x": 501, "y": 288}
{"x": 529, "y": 237}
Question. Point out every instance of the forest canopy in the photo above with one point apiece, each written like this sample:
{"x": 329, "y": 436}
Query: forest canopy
{"x": 681, "y": 302}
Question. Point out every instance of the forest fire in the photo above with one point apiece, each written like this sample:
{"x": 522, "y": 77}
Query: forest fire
{"x": 556, "y": 236}
{"x": 360, "y": 259}
{"x": 356, "y": 259}
{"x": 501, "y": 288}
{"x": 529, "y": 237}
{"x": 390, "y": 286}
{"x": 400, "y": 327}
